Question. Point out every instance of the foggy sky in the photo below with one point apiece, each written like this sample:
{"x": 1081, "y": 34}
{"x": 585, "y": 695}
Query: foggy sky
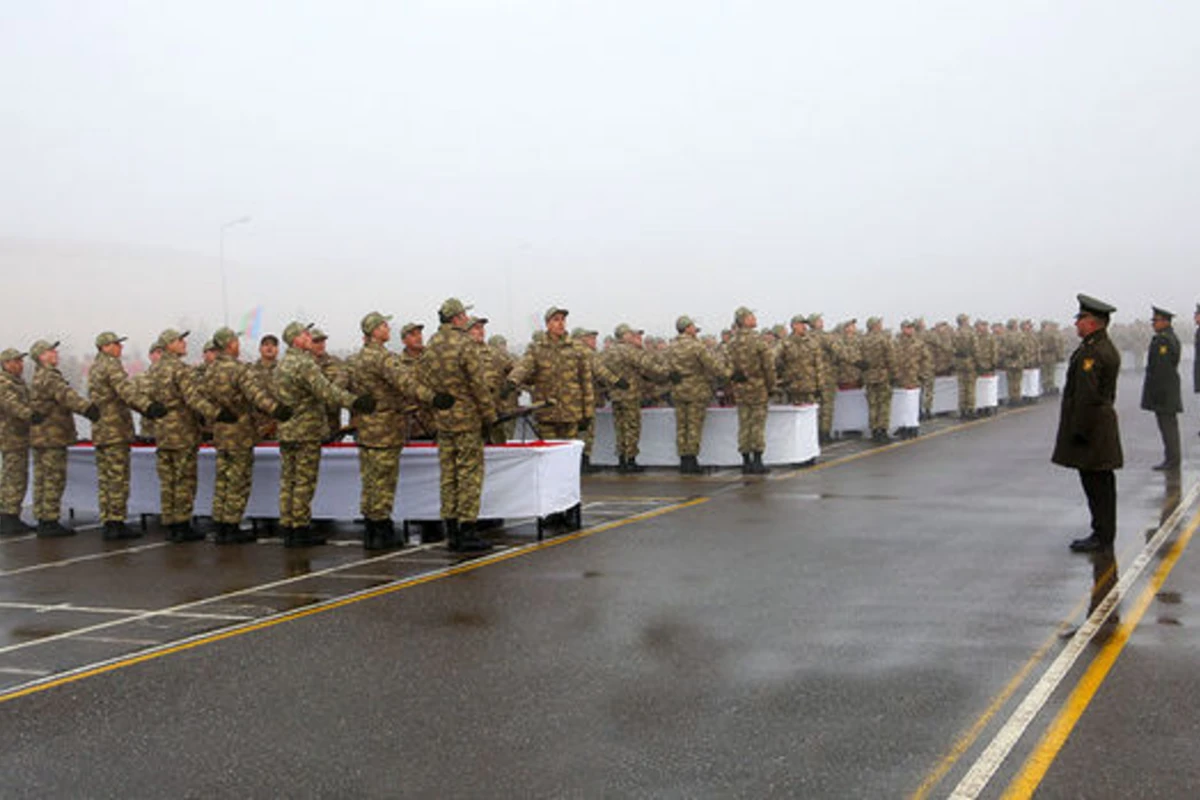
{"x": 629, "y": 160}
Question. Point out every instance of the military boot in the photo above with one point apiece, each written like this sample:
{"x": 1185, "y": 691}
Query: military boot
{"x": 373, "y": 535}
{"x": 747, "y": 464}
{"x": 50, "y": 529}
{"x": 633, "y": 466}
{"x": 759, "y": 467}
{"x": 468, "y": 540}
{"x": 116, "y": 529}
{"x": 450, "y": 526}
{"x": 623, "y": 465}
{"x": 432, "y": 532}
{"x": 184, "y": 532}
{"x": 11, "y": 525}
{"x": 585, "y": 464}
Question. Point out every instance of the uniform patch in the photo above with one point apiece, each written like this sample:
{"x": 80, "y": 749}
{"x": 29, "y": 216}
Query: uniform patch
{"x": 1088, "y": 363}
{"x": 1162, "y": 349}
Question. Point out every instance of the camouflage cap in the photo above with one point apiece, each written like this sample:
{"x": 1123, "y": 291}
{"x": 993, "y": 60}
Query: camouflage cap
{"x": 552, "y": 310}
{"x": 848, "y": 322}
{"x": 317, "y": 334}
{"x": 372, "y": 321}
{"x": 813, "y": 319}
{"x": 452, "y": 307}
{"x": 210, "y": 346}
{"x": 294, "y": 329}
{"x": 874, "y": 321}
{"x": 473, "y": 321}
{"x": 685, "y": 322}
{"x": 497, "y": 340}
{"x": 11, "y": 354}
{"x": 107, "y": 338}
{"x": 172, "y": 335}
{"x": 1012, "y": 323}
{"x": 156, "y": 346}
{"x": 580, "y": 333}
{"x": 409, "y": 327}
{"x": 779, "y": 330}
{"x": 741, "y": 313}
{"x": 799, "y": 318}
{"x": 42, "y": 346}
{"x": 223, "y": 337}
{"x": 908, "y": 323}
{"x": 624, "y": 328}
{"x": 962, "y": 318}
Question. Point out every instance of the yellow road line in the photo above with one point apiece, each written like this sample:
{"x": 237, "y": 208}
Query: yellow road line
{"x": 1035, "y": 767}
{"x": 330, "y": 605}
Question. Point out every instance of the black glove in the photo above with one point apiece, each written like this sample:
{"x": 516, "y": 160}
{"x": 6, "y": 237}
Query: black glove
{"x": 443, "y": 401}
{"x": 485, "y": 429}
{"x": 862, "y": 364}
{"x": 674, "y": 376}
{"x": 621, "y": 384}
{"x": 738, "y": 376}
{"x": 282, "y": 412}
{"x": 225, "y": 415}
{"x": 584, "y": 425}
{"x": 363, "y": 404}
{"x": 92, "y": 412}
{"x": 37, "y": 418}
{"x": 155, "y": 410}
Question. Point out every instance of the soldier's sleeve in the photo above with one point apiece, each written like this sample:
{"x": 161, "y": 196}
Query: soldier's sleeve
{"x": 65, "y": 396}
{"x": 652, "y": 365}
{"x": 473, "y": 367}
{"x": 255, "y": 391}
{"x": 587, "y": 381}
{"x": 129, "y": 391}
{"x": 768, "y": 365}
{"x": 524, "y": 369}
{"x": 310, "y": 375}
{"x": 713, "y": 362}
{"x": 11, "y": 405}
{"x": 601, "y": 369}
{"x": 194, "y": 395}
{"x": 405, "y": 381}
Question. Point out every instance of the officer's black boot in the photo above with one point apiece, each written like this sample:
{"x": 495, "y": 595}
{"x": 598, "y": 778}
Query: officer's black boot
{"x": 184, "y": 532}
{"x": 469, "y": 541}
{"x": 292, "y": 536}
{"x": 684, "y": 466}
{"x": 747, "y": 464}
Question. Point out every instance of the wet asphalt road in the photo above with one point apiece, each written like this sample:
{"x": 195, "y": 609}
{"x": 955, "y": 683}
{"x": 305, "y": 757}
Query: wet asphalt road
{"x": 830, "y": 632}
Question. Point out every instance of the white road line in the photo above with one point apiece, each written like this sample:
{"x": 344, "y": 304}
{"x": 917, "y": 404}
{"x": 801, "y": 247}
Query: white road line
{"x": 19, "y": 671}
{"x": 981, "y": 772}
{"x": 358, "y": 576}
{"x": 22, "y": 538}
{"x": 66, "y": 562}
{"x": 124, "y": 612}
{"x": 118, "y": 640}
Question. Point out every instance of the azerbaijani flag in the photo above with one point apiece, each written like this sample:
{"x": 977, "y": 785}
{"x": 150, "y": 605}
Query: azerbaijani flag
{"x": 251, "y": 326}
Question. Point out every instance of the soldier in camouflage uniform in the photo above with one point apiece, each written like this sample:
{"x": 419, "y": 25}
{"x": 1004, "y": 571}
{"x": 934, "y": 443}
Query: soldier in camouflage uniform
{"x": 877, "y": 378}
{"x": 986, "y": 354}
{"x": 236, "y": 389}
{"x": 418, "y": 417}
{"x": 941, "y": 347}
{"x": 828, "y": 390}
{"x": 16, "y": 415}
{"x": 1052, "y": 351}
{"x": 141, "y": 384}
{"x": 694, "y": 370}
{"x": 929, "y": 340}
{"x": 848, "y": 355}
{"x": 752, "y": 372}
{"x": 114, "y": 393}
{"x": 451, "y": 367}
{"x": 264, "y": 369}
{"x": 801, "y": 365}
{"x": 177, "y": 435}
{"x": 603, "y": 379}
{"x": 504, "y": 363}
{"x": 300, "y": 385}
{"x": 55, "y": 402}
{"x": 494, "y": 376}
{"x": 381, "y": 435}
{"x": 336, "y": 372}
{"x": 964, "y": 366}
{"x": 633, "y": 366}
{"x": 558, "y": 370}
{"x": 911, "y": 361}
{"x": 1030, "y": 352}
{"x": 1010, "y": 353}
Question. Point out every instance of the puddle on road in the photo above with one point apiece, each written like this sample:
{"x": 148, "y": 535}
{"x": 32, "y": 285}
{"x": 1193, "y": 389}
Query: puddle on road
{"x": 1171, "y": 598}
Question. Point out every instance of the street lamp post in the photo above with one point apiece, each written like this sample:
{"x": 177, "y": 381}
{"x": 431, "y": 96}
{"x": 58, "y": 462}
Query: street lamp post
{"x": 224, "y": 284}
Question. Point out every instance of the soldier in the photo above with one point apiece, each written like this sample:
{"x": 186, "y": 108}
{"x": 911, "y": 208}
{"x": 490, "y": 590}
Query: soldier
{"x": 141, "y": 383}
{"x": 1031, "y": 354}
{"x": 752, "y": 371}
{"x": 964, "y": 366}
{"x": 911, "y": 363}
{"x": 1011, "y": 349}
{"x": 558, "y": 371}
{"x": 633, "y": 366}
{"x": 382, "y": 435}
{"x": 603, "y": 379}
{"x": 300, "y": 385}
{"x": 986, "y": 354}
{"x": 264, "y": 370}
{"x": 236, "y": 388}
{"x": 114, "y": 393}
{"x": 877, "y": 377}
{"x": 1089, "y": 439}
{"x": 16, "y": 415}
{"x": 451, "y": 367}
{"x": 54, "y": 401}
{"x": 1051, "y": 350}
{"x": 694, "y": 369}
{"x": 828, "y": 366}
{"x": 418, "y": 417}
{"x": 336, "y": 372}
{"x": 929, "y": 340}
{"x": 503, "y": 364}
{"x": 492, "y": 375}
{"x": 177, "y": 434}
{"x": 800, "y": 365}
{"x": 1160, "y": 389}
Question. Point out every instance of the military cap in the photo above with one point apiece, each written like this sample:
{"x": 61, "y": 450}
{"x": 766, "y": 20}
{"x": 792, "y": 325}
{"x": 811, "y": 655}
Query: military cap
{"x": 473, "y": 321}
{"x": 210, "y": 346}
{"x": 799, "y": 318}
{"x": 11, "y": 354}
{"x": 452, "y": 307}
{"x": 1162, "y": 312}
{"x": 685, "y": 322}
{"x": 372, "y": 321}
{"x": 223, "y": 337}
{"x": 156, "y": 345}
{"x": 497, "y": 340}
{"x": 171, "y": 335}
{"x": 623, "y": 329}
{"x": 1012, "y": 322}
{"x": 552, "y": 310}
{"x": 1090, "y": 305}
{"x": 851, "y": 321}
{"x": 779, "y": 330}
{"x": 579, "y": 333}
{"x": 42, "y": 346}
{"x": 962, "y": 318}
{"x": 814, "y": 318}
{"x": 317, "y": 334}
{"x": 741, "y": 313}
{"x": 293, "y": 330}
{"x": 108, "y": 337}
{"x": 907, "y": 323}
{"x": 874, "y": 321}
{"x": 409, "y": 327}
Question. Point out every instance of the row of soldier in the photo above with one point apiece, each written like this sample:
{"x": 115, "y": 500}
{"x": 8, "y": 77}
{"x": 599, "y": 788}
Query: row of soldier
{"x": 297, "y": 401}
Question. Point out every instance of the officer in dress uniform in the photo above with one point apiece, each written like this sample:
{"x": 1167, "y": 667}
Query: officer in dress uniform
{"x": 1160, "y": 390}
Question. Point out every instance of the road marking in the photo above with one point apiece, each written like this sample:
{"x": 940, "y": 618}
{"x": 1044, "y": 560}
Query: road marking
{"x": 1038, "y": 763}
{"x": 69, "y": 608}
{"x": 8, "y": 573}
{"x": 19, "y": 671}
{"x": 117, "y": 640}
{"x": 981, "y": 772}
{"x": 120, "y": 662}
{"x": 25, "y": 537}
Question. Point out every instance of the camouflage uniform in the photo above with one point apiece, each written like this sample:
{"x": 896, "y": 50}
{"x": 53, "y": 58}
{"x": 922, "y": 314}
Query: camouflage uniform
{"x": 1011, "y": 355}
{"x": 930, "y": 341}
{"x": 265, "y": 426}
{"x": 114, "y": 392}
{"x": 451, "y": 365}
{"x": 15, "y": 415}
{"x": 57, "y": 402}
{"x": 1030, "y": 350}
{"x": 336, "y": 372}
{"x": 418, "y": 417}
{"x": 602, "y": 379}
{"x": 502, "y": 365}
{"x": 753, "y": 374}
{"x": 558, "y": 370}
{"x": 802, "y": 368}
{"x": 1052, "y": 351}
{"x": 634, "y": 367}
{"x": 828, "y": 389}
{"x": 177, "y": 436}
{"x": 877, "y": 377}
{"x": 911, "y": 362}
{"x": 964, "y": 366}
{"x": 300, "y": 385}
{"x": 235, "y": 387}
{"x": 693, "y": 371}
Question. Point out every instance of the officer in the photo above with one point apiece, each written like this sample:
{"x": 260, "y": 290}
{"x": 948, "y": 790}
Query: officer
{"x": 16, "y": 414}
{"x": 634, "y": 367}
{"x": 694, "y": 370}
{"x": 300, "y": 385}
{"x": 1160, "y": 389}
{"x": 177, "y": 434}
{"x": 1196, "y": 351}
{"x": 753, "y": 375}
{"x": 1088, "y": 438}
{"x": 558, "y": 372}
{"x": 451, "y": 366}
{"x": 55, "y": 403}
{"x": 114, "y": 393}
{"x": 236, "y": 388}
{"x": 381, "y": 435}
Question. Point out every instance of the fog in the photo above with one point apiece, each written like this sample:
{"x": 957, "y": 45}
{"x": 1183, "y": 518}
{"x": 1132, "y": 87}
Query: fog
{"x": 631, "y": 161}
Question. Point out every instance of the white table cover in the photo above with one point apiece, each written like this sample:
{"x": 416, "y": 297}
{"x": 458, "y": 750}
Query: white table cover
{"x": 945, "y": 394}
{"x": 987, "y": 391}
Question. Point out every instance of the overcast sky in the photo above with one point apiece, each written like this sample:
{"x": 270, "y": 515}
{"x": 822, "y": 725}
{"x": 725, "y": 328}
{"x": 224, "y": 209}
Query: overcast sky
{"x": 629, "y": 160}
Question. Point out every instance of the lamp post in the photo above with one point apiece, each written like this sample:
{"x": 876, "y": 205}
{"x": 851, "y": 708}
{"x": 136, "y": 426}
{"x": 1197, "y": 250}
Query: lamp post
{"x": 224, "y": 285}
